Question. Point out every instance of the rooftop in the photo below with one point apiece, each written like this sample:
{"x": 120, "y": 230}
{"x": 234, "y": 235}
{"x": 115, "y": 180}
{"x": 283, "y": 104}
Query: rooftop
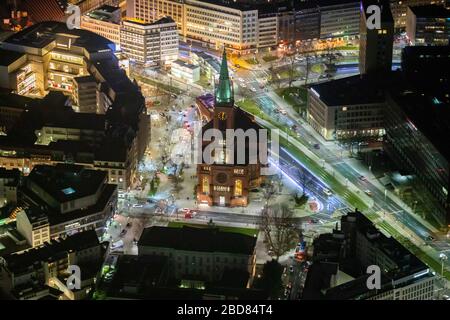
{"x": 197, "y": 239}
{"x": 55, "y": 249}
{"x": 8, "y": 57}
{"x": 430, "y": 11}
{"x": 349, "y": 91}
{"x": 42, "y": 34}
{"x": 65, "y": 182}
{"x": 185, "y": 64}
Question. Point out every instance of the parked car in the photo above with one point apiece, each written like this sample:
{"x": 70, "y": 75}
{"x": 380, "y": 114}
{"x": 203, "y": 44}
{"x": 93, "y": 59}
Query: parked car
{"x": 327, "y": 191}
{"x": 368, "y": 192}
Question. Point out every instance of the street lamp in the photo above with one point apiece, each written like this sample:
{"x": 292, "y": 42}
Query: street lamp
{"x": 443, "y": 258}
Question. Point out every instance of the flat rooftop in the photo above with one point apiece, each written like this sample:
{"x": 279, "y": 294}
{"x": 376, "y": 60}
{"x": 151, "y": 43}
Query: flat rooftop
{"x": 197, "y": 239}
{"x": 42, "y": 34}
{"x": 65, "y": 182}
{"x": 430, "y": 11}
{"x": 349, "y": 91}
{"x": 54, "y": 250}
{"x": 8, "y": 57}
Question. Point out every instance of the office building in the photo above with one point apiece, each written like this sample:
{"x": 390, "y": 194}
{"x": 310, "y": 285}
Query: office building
{"x": 150, "y": 44}
{"x": 341, "y": 258}
{"x": 185, "y": 71}
{"x": 339, "y": 19}
{"x": 64, "y": 199}
{"x": 225, "y": 181}
{"x": 346, "y": 108}
{"x": 376, "y": 45}
{"x": 104, "y": 21}
{"x": 46, "y": 58}
{"x": 42, "y": 272}
{"x": 419, "y": 116}
{"x": 399, "y": 10}
{"x": 202, "y": 254}
{"x": 428, "y": 25}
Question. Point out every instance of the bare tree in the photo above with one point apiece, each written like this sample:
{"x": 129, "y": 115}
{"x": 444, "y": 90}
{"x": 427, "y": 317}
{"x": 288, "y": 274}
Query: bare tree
{"x": 280, "y": 233}
{"x": 176, "y": 184}
{"x": 291, "y": 70}
{"x": 269, "y": 191}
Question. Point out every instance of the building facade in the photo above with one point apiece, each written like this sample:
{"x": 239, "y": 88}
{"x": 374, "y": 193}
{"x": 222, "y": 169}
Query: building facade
{"x": 185, "y": 71}
{"x": 339, "y": 19}
{"x": 347, "y": 108}
{"x": 400, "y": 8}
{"x": 198, "y": 253}
{"x": 150, "y": 44}
{"x": 104, "y": 21}
{"x": 428, "y": 25}
{"x": 222, "y": 180}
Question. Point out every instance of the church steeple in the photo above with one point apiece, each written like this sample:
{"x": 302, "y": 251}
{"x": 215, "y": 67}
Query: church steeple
{"x": 224, "y": 91}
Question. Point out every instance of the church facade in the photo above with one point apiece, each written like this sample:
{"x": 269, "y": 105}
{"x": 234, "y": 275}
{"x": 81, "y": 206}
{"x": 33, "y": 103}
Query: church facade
{"x": 223, "y": 182}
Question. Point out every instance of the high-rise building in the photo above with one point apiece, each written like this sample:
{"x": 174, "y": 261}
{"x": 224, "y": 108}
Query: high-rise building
{"x": 104, "y": 21}
{"x": 341, "y": 258}
{"x": 428, "y": 25}
{"x": 223, "y": 181}
{"x": 400, "y": 7}
{"x": 150, "y": 44}
{"x": 376, "y": 45}
{"x": 339, "y": 18}
{"x": 64, "y": 199}
{"x": 43, "y": 272}
{"x": 418, "y": 121}
{"x": 347, "y": 108}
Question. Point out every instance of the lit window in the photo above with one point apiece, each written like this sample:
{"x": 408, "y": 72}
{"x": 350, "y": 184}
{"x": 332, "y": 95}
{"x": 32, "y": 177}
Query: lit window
{"x": 238, "y": 188}
{"x": 205, "y": 184}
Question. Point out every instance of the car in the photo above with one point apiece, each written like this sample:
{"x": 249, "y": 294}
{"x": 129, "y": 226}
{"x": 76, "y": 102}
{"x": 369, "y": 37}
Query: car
{"x": 237, "y": 65}
{"x": 362, "y": 178}
{"x": 283, "y": 112}
{"x": 291, "y": 269}
{"x": 137, "y": 205}
{"x": 253, "y": 89}
{"x": 368, "y": 192}
{"x": 316, "y": 146}
{"x": 430, "y": 238}
{"x": 254, "y": 190}
{"x": 327, "y": 191}
{"x": 446, "y": 297}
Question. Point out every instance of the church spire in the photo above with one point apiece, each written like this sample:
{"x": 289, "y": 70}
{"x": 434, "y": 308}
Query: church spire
{"x": 224, "y": 92}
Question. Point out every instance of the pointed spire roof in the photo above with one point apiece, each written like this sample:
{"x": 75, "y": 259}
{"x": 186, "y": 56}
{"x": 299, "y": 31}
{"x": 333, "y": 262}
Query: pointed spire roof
{"x": 224, "y": 91}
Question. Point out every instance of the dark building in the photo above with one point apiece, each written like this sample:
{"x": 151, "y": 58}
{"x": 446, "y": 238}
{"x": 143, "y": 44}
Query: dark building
{"x": 340, "y": 261}
{"x": 40, "y": 272}
{"x": 376, "y": 45}
{"x": 201, "y": 254}
{"x": 62, "y": 200}
{"x": 428, "y": 25}
{"x": 419, "y": 123}
{"x": 225, "y": 181}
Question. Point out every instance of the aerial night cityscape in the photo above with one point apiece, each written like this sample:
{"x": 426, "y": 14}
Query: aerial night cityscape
{"x": 252, "y": 150}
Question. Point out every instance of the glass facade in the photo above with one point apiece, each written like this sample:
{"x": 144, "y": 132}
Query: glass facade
{"x": 412, "y": 151}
